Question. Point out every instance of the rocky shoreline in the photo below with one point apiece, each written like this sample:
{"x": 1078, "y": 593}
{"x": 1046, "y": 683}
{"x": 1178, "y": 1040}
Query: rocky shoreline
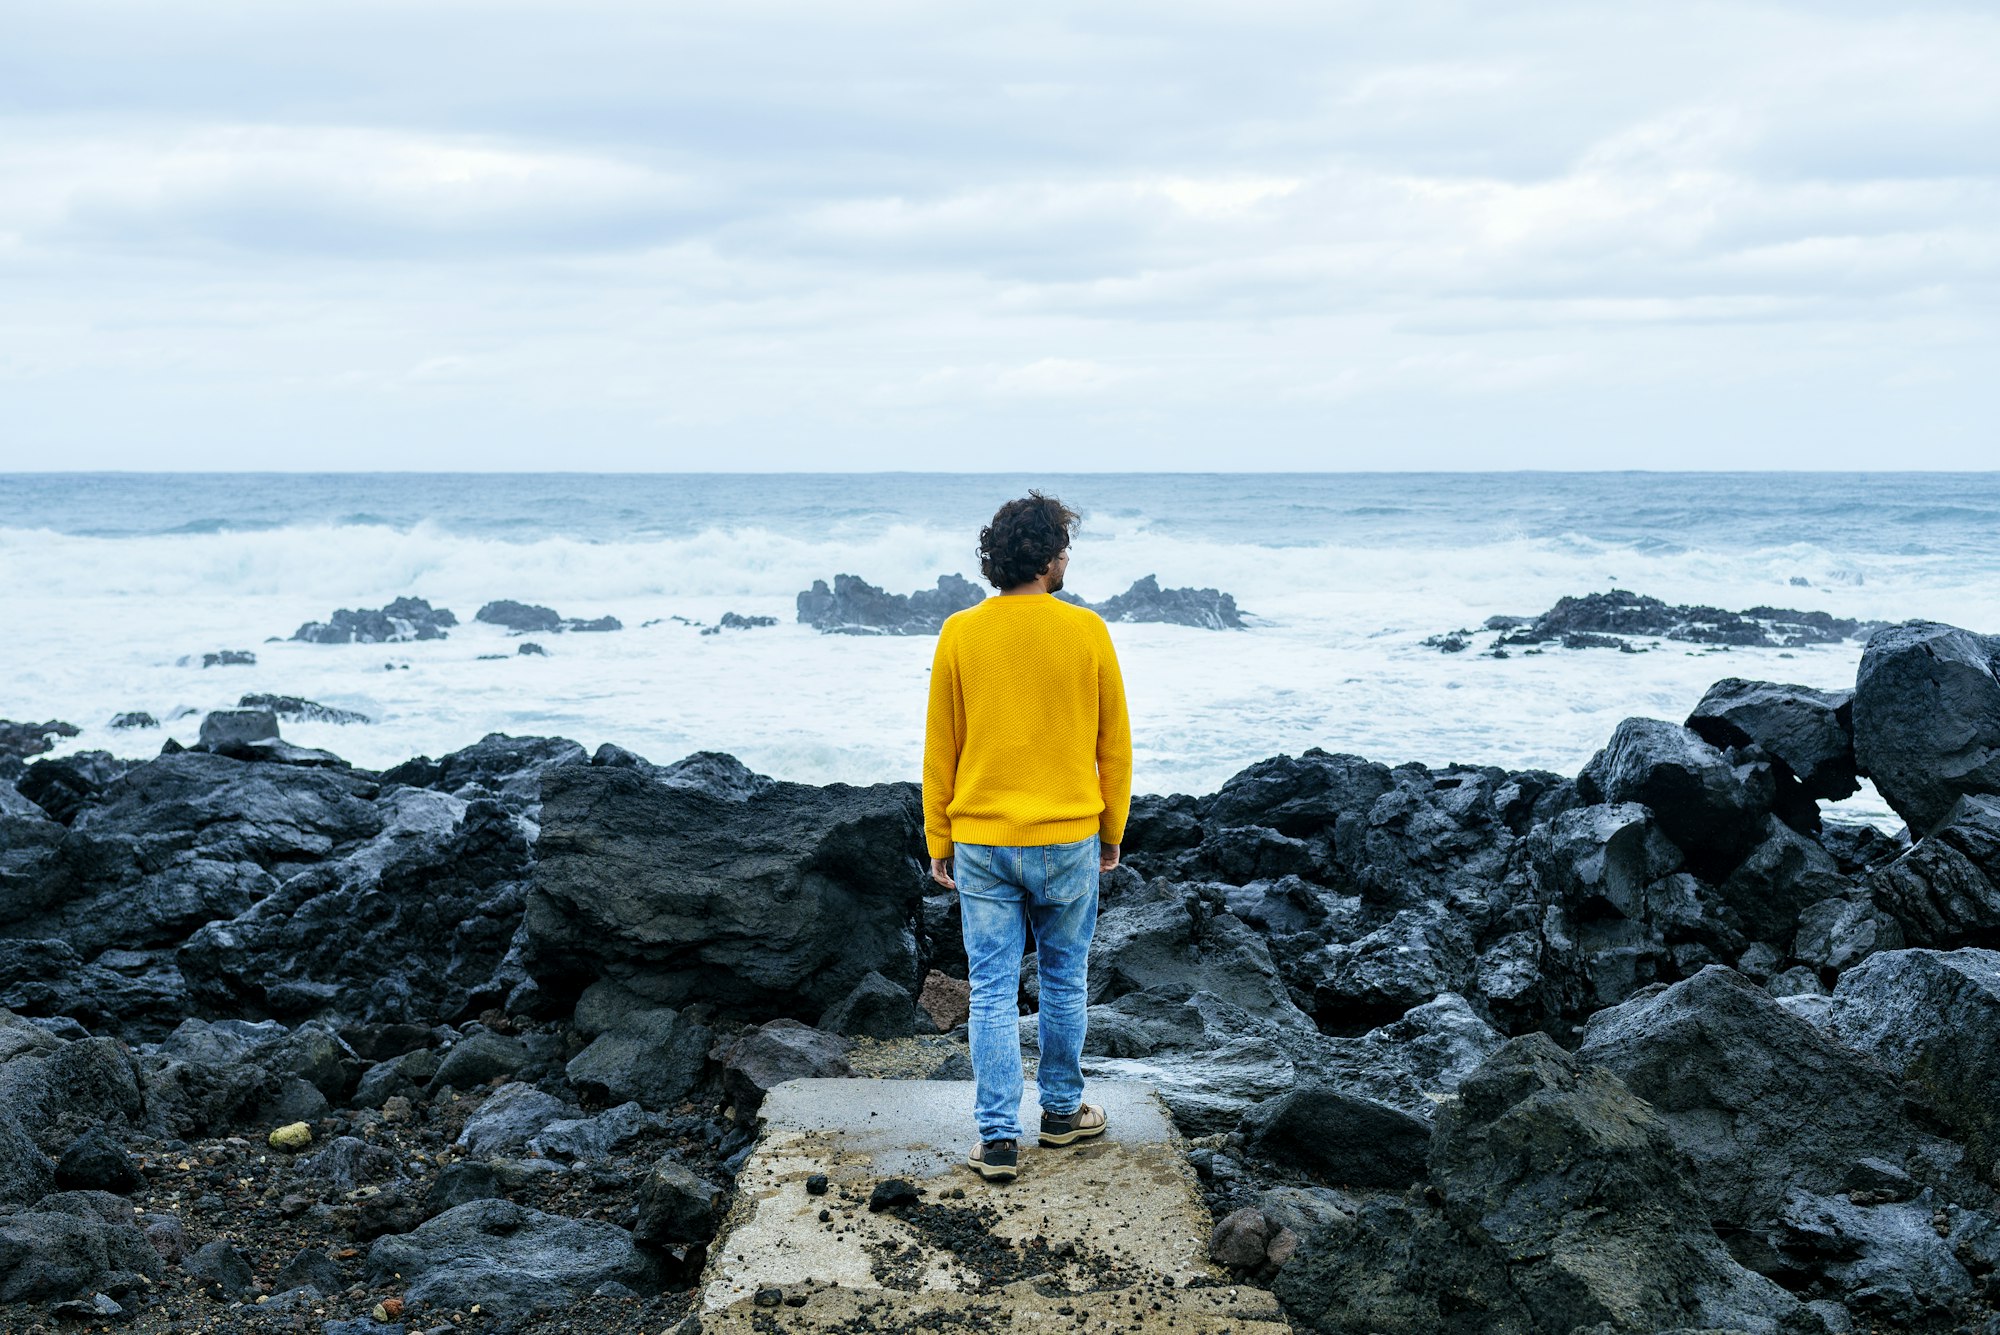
{"x": 478, "y": 1041}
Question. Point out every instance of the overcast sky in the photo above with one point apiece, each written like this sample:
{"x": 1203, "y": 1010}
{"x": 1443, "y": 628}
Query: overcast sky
{"x": 1241, "y": 235}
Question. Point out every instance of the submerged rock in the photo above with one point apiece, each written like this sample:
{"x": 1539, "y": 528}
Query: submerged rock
{"x": 306, "y": 711}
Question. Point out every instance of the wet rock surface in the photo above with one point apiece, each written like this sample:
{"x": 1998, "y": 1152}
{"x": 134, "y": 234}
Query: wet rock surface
{"x": 1655, "y": 1046}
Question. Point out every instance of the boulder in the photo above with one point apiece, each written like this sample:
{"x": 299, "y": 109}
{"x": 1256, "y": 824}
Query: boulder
{"x": 225, "y": 728}
{"x": 305, "y": 711}
{"x": 1711, "y": 807}
{"x": 21, "y": 740}
{"x": 26, "y": 1174}
{"x": 521, "y": 618}
{"x": 73, "y": 1243}
{"x": 876, "y": 1008}
{"x": 1946, "y": 890}
{"x": 1887, "y": 1261}
{"x": 1574, "y": 1186}
{"x": 589, "y": 1139}
{"x": 676, "y": 1207}
{"x": 1205, "y": 609}
{"x": 95, "y": 1161}
{"x": 221, "y": 1269}
{"x": 1777, "y": 879}
{"x": 1163, "y": 940}
{"x": 1809, "y": 732}
{"x": 507, "y": 769}
{"x": 479, "y": 1058}
{"x": 1418, "y": 955}
{"x": 411, "y": 927}
{"x": 1762, "y": 1102}
{"x": 64, "y": 787}
{"x": 773, "y": 1053}
{"x": 948, "y": 1001}
{"x": 1932, "y": 1017}
{"x": 347, "y": 1163}
{"x": 1835, "y": 933}
{"x": 1340, "y": 1137}
{"x": 509, "y": 1118}
{"x": 509, "y": 1260}
{"x": 1927, "y": 718}
{"x": 60, "y": 1093}
{"x": 654, "y": 1056}
{"x": 777, "y": 903}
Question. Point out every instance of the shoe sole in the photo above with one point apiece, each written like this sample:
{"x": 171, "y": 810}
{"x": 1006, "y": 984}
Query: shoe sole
{"x": 992, "y": 1173}
{"x": 1062, "y": 1138}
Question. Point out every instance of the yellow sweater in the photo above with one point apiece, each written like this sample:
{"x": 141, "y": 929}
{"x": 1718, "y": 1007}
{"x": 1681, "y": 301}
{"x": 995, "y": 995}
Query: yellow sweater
{"x": 1026, "y": 741}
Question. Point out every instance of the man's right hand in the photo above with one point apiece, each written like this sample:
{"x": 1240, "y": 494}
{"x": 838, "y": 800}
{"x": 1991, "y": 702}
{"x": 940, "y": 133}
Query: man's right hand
{"x": 941, "y": 873}
{"x": 1107, "y": 857}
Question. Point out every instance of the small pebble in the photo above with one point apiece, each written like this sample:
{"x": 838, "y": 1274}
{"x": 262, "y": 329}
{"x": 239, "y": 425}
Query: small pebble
{"x": 816, "y": 1185}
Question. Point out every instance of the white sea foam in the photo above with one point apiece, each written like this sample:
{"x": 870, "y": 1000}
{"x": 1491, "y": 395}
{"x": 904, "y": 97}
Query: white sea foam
{"x": 1333, "y": 659}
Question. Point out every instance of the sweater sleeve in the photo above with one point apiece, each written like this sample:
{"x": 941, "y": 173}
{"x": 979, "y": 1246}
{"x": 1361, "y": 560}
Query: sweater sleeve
{"x": 943, "y": 740}
{"x": 1114, "y": 745}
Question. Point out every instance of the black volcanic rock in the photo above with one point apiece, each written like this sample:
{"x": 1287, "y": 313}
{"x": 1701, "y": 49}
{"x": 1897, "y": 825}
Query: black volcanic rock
{"x": 1927, "y": 718}
{"x": 779, "y": 902}
{"x": 411, "y": 926}
{"x": 305, "y": 711}
{"x": 1932, "y": 1017}
{"x": 1710, "y": 806}
{"x": 521, "y": 617}
{"x": 509, "y": 769}
{"x": 136, "y": 718}
{"x": 64, "y": 786}
{"x": 1809, "y": 733}
{"x": 1576, "y": 1186}
{"x": 31, "y": 739}
{"x": 1602, "y": 619}
{"x": 1147, "y": 601}
{"x": 853, "y": 606}
{"x": 1946, "y": 890}
{"x": 402, "y": 620}
{"x": 508, "y": 1260}
{"x": 531, "y": 618}
{"x": 1762, "y": 1101}
{"x": 225, "y": 728}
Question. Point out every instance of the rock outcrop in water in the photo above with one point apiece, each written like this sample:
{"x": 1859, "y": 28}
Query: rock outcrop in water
{"x": 1613, "y": 620}
{"x": 855, "y": 607}
{"x": 1656, "y": 1046}
{"x": 404, "y": 619}
{"x": 529, "y": 618}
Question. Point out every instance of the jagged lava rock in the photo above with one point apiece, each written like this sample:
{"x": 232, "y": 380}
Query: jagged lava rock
{"x": 1927, "y": 717}
{"x": 1711, "y": 808}
{"x": 780, "y": 902}
{"x": 1575, "y": 1185}
{"x": 1810, "y": 732}
{"x": 1763, "y": 1102}
{"x": 1932, "y": 1017}
{"x": 509, "y": 1260}
{"x": 402, "y": 620}
{"x": 853, "y": 606}
{"x": 1946, "y": 890}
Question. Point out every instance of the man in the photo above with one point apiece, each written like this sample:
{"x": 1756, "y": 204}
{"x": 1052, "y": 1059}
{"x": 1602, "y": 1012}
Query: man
{"x": 1027, "y": 783}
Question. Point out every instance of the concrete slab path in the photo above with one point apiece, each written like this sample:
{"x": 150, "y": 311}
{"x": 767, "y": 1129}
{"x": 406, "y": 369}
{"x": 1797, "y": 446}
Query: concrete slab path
{"x": 1110, "y": 1235}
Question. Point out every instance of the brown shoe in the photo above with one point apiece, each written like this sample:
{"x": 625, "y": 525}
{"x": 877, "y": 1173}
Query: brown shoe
{"x": 995, "y": 1160}
{"x": 1069, "y": 1128}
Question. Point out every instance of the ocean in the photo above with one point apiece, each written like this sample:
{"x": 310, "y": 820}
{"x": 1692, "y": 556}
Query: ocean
{"x": 112, "y": 587}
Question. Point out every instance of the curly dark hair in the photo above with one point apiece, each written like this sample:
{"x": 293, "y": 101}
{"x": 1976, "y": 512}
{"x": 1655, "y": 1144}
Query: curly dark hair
{"x": 1024, "y": 537}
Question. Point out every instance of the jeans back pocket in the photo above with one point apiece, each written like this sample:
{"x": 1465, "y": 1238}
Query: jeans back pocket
{"x": 1069, "y": 871}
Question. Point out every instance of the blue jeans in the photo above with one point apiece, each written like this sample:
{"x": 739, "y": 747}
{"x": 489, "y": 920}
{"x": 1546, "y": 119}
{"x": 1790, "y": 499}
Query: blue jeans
{"x": 1001, "y": 891}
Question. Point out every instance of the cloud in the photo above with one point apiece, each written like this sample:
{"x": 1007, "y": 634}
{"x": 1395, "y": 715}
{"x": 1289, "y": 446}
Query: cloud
{"x": 664, "y": 231}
